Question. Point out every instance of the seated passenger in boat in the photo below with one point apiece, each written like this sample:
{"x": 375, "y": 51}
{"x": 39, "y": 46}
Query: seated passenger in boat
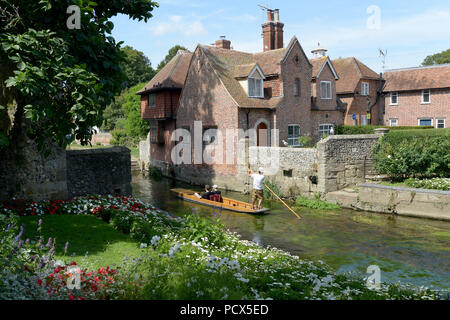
{"x": 217, "y": 194}
{"x": 207, "y": 194}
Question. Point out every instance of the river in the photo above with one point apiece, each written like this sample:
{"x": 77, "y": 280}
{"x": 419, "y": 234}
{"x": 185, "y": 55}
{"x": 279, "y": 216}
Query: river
{"x": 410, "y": 250}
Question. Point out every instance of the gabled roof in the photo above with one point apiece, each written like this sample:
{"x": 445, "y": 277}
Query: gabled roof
{"x": 231, "y": 65}
{"x": 351, "y": 71}
{"x": 421, "y": 78}
{"x": 173, "y": 75}
{"x": 319, "y": 64}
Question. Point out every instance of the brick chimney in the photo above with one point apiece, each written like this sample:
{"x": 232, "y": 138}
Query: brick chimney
{"x": 223, "y": 43}
{"x": 273, "y": 31}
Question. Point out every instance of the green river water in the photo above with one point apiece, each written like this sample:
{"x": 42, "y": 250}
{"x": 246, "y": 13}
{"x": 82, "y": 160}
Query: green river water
{"x": 409, "y": 250}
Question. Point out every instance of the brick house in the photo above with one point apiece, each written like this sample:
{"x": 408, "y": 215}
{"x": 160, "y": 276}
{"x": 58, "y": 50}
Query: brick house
{"x": 326, "y": 108}
{"x": 361, "y": 89}
{"x": 418, "y": 96}
{"x": 228, "y": 89}
{"x": 159, "y": 103}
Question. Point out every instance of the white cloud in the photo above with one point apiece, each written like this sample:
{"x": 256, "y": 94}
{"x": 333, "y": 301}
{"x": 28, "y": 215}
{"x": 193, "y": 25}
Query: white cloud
{"x": 177, "y": 24}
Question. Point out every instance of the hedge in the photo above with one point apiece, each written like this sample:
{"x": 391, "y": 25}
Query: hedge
{"x": 349, "y": 130}
{"x": 414, "y": 153}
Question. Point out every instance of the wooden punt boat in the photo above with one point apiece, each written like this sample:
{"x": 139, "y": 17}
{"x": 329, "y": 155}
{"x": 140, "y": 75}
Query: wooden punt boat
{"x": 227, "y": 204}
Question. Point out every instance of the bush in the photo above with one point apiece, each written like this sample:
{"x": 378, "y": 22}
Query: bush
{"x": 414, "y": 153}
{"x": 349, "y": 130}
{"x": 435, "y": 184}
{"x": 316, "y": 204}
{"x": 120, "y": 137}
{"x": 121, "y": 222}
{"x": 305, "y": 141}
{"x": 274, "y": 188}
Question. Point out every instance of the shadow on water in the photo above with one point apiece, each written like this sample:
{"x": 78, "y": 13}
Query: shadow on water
{"x": 410, "y": 250}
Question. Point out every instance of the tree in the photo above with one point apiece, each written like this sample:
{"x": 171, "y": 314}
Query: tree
{"x": 172, "y": 53}
{"x": 55, "y": 80}
{"x": 137, "y": 67}
{"x": 129, "y": 129}
{"x": 438, "y": 58}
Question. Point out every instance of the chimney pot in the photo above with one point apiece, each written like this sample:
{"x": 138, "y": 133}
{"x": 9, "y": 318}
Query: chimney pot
{"x": 269, "y": 15}
{"x": 277, "y": 15}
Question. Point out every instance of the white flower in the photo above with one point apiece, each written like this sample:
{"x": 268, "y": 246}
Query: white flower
{"x": 143, "y": 245}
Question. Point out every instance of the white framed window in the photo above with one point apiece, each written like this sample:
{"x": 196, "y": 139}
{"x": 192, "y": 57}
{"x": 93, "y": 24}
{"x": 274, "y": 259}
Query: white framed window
{"x": 325, "y": 90}
{"x": 364, "y": 120}
{"x": 325, "y": 129}
{"x": 151, "y": 100}
{"x": 425, "y": 122}
{"x": 297, "y": 87}
{"x": 426, "y": 96}
{"x": 393, "y": 122}
{"x": 440, "y": 123}
{"x": 293, "y": 135}
{"x": 365, "y": 88}
{"x": 394, "y": 98}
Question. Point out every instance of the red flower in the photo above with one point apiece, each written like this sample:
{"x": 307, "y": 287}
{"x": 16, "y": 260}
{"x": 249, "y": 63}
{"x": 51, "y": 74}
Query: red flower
{"x": 39, "y": 282}
{"x": 71, "y": 297}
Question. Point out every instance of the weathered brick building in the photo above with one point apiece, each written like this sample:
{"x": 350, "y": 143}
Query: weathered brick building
{"x": 159, "y": 103}
{"x": 418, "y": 96}
{"x": 361, "y": 89}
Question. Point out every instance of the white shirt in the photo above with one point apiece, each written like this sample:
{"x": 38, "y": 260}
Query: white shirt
{"x": 258, "y": 180}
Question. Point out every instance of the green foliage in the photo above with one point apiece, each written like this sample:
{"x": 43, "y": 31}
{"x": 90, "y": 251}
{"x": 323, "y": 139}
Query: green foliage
{"x": 438, "y": 58}
{"x": 350, "y": 130}
{"x": 137, "y": 67}
{"x": 204, "y": 231}
{"x": 172, "y": 53}
{"x": 121, "y": 222}
{"x": 305, "y": 141}
{"x": 435, "y": 184}
{"x": 62, "y": 79}
{"x": 316, "y": 204}
{"x": 129, "y": 129}
{"x": 273, "y": 186}
{"x": 414, "y": 153}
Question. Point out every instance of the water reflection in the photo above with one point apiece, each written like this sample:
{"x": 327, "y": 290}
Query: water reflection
{"x": 407, "y": 249}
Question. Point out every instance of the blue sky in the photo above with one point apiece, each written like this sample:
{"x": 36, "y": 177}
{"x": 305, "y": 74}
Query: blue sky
{"x": 408, "y": 30}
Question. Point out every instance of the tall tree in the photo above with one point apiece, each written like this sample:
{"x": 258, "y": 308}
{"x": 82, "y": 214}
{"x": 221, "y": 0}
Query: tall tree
{"x": 172, "y": 53}
{"x": 57, "y": 76}
{"x": 137, "y": 66}
{"x": 438, "y": 58}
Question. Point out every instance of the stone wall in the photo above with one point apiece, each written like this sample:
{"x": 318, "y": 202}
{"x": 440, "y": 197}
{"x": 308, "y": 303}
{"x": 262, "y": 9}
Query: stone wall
{"x": 431, "y": 204}
{"x": 99, "y": 171}
{"x": 26, "y": 174}
{"x": 345, "y": 161}
{"x": 288, "y": 168}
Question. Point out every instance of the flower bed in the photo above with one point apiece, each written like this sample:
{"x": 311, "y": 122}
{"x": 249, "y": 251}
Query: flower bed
{"x": 435, "y": 184}
{"x": 182, "y": 259}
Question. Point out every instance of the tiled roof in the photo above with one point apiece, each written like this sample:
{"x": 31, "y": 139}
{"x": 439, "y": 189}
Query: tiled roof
{"x": 317, "y": 65}
{"x": 231, "y": 64}
{"x": 172, "y": 75}
{"x": 421, "y": 78}
{"x": 350, "y": 72}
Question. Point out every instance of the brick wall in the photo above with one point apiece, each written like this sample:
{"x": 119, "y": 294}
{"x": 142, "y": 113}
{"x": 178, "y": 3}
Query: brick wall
{"x": 166, "y": 104}
{"x": 206, "y": 99}
{"x": 409, "y": 109}
{"x": 294, "y": 109}
{"x": 357, "y": 104}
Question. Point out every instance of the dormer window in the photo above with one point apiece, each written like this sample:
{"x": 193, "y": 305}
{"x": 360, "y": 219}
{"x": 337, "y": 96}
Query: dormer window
{"x": 325, "y": 90}
{"x": 256, "y": 84}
